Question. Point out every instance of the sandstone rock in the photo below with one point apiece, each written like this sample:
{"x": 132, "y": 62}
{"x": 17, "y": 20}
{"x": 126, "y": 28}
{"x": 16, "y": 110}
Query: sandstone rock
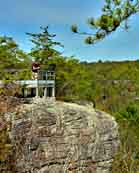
{"x": 58, "y": 137}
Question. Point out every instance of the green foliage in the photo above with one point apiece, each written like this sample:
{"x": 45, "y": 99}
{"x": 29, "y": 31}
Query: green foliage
{"x": 71, "y": 79}
{"x": 130, "y": 114}
{"x": 11, "y": 57}
{"x": 127, "y": 159}
{"x": 44, "y": 45}
{"x": 114, "y": 13}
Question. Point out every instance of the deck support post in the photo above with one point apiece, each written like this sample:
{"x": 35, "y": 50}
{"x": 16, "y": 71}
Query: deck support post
{"x": 45, "y": 92}
{"x": 53, "y": 91}
{"x": 25, "y": 92}
{"x": 37, "y": 92}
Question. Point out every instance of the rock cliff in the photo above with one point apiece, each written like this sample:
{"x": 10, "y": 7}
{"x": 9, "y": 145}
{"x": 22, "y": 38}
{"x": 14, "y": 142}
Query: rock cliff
{"x": 58, "y": 137}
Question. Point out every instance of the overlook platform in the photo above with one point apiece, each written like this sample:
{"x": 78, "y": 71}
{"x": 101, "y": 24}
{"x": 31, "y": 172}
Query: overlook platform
{"x": 42, "y": 84}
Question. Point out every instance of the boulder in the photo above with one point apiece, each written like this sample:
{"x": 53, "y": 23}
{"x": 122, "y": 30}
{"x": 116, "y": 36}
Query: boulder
{"x": 58, "y": 137}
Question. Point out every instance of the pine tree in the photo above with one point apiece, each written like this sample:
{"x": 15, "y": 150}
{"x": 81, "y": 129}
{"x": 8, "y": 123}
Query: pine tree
{"x": 114, "y": 13}
{"x": 44, "y": 45}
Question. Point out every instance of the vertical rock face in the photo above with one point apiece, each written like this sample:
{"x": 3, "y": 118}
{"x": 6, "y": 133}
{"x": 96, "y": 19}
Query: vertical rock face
{"x": 57, "y": 137}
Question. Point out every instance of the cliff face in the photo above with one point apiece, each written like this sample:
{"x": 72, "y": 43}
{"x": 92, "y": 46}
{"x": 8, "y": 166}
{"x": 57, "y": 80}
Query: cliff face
{"x": 58, "y": 137}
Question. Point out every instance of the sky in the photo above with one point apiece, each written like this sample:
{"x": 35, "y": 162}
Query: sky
{"x": 20, "y": 16}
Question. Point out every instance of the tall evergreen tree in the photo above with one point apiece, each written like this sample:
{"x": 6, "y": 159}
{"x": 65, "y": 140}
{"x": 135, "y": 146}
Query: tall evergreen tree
{"x": 44, "y": 45}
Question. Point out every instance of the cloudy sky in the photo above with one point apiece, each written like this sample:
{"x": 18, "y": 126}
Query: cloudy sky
{"x": 20, "y": 16}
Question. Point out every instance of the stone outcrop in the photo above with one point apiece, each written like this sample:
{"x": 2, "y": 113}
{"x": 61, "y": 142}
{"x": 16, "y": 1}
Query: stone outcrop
{"x": 58, "y": 137}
